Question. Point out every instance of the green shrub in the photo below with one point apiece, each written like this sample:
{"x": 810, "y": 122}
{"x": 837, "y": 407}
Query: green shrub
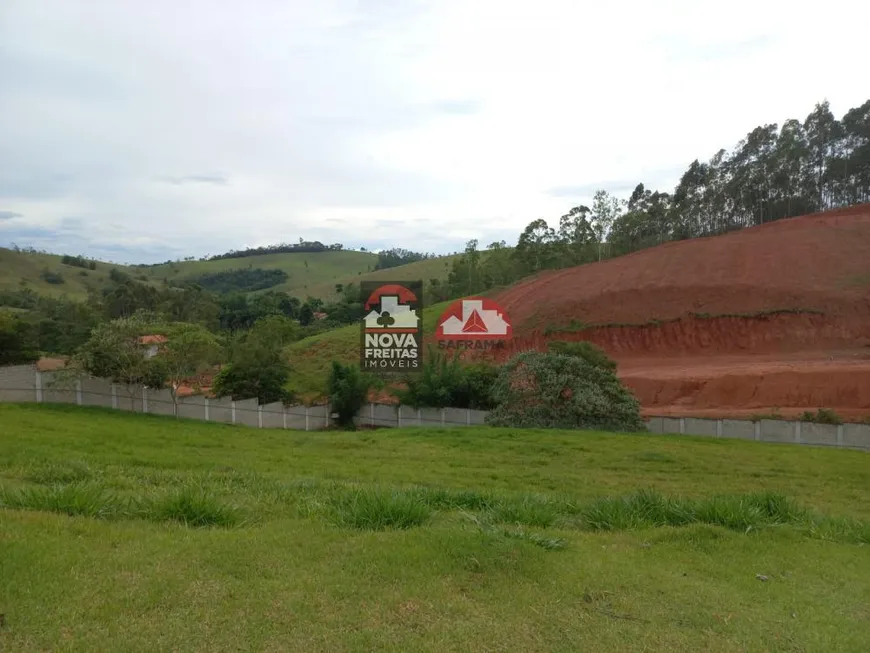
{"x": 54, "y": 278}
{"x": 444, "y": 381}
{"x": 348, "y": 391}
{"x": 821, "y": 416}
{"x": 585, "y": 350}
{"x": 538, "y": 390}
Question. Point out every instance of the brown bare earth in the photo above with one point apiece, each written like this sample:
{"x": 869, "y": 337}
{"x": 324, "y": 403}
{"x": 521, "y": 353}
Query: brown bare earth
{"x": 775, "y": 317}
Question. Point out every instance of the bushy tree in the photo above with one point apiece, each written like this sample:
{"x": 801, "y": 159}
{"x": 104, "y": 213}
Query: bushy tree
{"x": 189, "y": 351}
{"x": 444, "y": 381}
{"x": 547, "y": 390}
{"x": 257, "y": 368}
{"x": 348, "y": 388}
{"x": 113, "y": 352}
{"x": 17, "y": 342}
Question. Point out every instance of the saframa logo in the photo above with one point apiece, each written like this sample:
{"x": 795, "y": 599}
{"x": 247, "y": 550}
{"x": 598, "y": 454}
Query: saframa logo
{"x": 392, "y": 326}
{"x": 473, "y": 323}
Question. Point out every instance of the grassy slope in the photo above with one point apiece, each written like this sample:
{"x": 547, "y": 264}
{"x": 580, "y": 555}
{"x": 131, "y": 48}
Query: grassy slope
{"x": 16, "y": 267}
{"x": 318, "y": 279}
{"x": 437, "y": 268}
{"x": 311, "y": 357}
{"x": 323, "y": 268}
{"x": 294, "y": 579}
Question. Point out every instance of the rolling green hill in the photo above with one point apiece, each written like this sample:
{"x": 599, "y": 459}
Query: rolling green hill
{"x": 20, "y": 270}
{"x": 436, "y": 268}
{"x": 314, "y": 274}
{"x": 304, "y": 270}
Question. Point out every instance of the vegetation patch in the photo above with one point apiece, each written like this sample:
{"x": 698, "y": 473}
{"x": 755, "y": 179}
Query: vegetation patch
{"x": 821, "y": 416}
{"x": 378, "y": 509}
{"x": 241, "y": 280}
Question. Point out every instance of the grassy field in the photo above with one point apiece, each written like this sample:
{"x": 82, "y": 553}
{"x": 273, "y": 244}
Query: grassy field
{"x": 437, "y": 268}
{"x": 313, "y": 274}
{"x": 306, "y": 271}
{"x": 139, "y": 533}
{"x": 19, "y": 270}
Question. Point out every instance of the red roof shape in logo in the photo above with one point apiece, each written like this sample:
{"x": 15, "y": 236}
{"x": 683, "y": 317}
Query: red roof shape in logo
{"x": 394, "y": 290}
{"x": 474, "y": 324}
{"x": 476, "y": 318}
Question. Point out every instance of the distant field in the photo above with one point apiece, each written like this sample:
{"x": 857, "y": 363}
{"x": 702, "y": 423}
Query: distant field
{"x": 141, "y": 533}
{"x": 437, "y": 268}
{"x": 313, "y": 274}
{"x": 304, "y": 270}
{"x": 16, "y": 267}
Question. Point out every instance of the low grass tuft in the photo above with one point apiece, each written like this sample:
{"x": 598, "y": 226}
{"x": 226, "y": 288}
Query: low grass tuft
{"x": 378, "y": 509}
{"x": 74, "y": 499}
{"x": 647, "y": 508}
{"x": 71, "y": 472}
{"x": 191, "y": 506}
{"x": 530, "y": 510}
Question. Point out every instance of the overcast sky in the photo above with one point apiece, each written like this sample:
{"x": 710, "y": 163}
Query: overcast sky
{"x": 141, "y": 130}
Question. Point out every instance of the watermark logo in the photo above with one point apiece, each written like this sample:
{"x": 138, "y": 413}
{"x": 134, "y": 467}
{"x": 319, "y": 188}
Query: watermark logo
{"x": 392, "y": 326}
{"x": 473, "y": 323}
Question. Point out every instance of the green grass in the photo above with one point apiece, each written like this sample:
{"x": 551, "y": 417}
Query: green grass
{"x": 437, "y": 268}
{"x": 19, "y": 270}
{"x": 323, "y": 269}
{"x": 142, "y": 533}
{"x": 317, "y": 278}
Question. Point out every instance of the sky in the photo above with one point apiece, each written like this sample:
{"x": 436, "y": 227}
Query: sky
{"x": 141, "y": 131}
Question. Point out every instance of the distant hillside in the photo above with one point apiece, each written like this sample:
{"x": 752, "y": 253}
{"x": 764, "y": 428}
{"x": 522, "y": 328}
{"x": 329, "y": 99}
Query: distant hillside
{"x": 304, "y": 270}
{"x": 434, "y": 268}
{"x": 39, "y": 272}
{"x": 308, "y": 273}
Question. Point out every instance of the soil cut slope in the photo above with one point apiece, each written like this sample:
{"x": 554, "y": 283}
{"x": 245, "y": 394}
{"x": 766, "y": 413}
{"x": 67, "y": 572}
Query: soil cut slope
{"x": 691, "y": 321}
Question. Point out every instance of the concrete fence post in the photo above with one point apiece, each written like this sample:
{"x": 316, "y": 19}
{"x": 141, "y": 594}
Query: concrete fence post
{"x": 205, "y": 406}
{"x": 371, "y": 413}
{"x": 78, "y": 392}
{"x": 419, "y": 417}
{"x": 839, "y": 435}
{"x": 443, "y": 418}
{"x": 284, "y": 416}
{"x": 718, "y": 428}
{"x": 682, "y": 426}
{"x": 797, "y": 432}
{"x": 114, "y": 396}
{"x": 144, "y": 400}
{"x": 233, "y": 411}
{"x": 398, "y": 415}
{"x": 758, "y": 431}
{"x": 38, "y": 387}
{"x": 467, "y": 417}
{"x": 259, "y": 416}
{"x": 307, "y": 426}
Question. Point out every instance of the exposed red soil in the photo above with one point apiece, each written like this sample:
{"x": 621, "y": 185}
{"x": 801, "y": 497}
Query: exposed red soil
{"x": 792, "y": 332}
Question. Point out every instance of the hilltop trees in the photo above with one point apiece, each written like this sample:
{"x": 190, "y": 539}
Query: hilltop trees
{"x": 773, "y": 173}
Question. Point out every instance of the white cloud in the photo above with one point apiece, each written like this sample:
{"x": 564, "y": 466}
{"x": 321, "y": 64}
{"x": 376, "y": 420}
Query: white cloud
{"x": 187, "y": 128}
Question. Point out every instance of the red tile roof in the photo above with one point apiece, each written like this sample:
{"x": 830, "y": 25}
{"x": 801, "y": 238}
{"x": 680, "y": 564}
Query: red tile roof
{"x": 152, "y": 340}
